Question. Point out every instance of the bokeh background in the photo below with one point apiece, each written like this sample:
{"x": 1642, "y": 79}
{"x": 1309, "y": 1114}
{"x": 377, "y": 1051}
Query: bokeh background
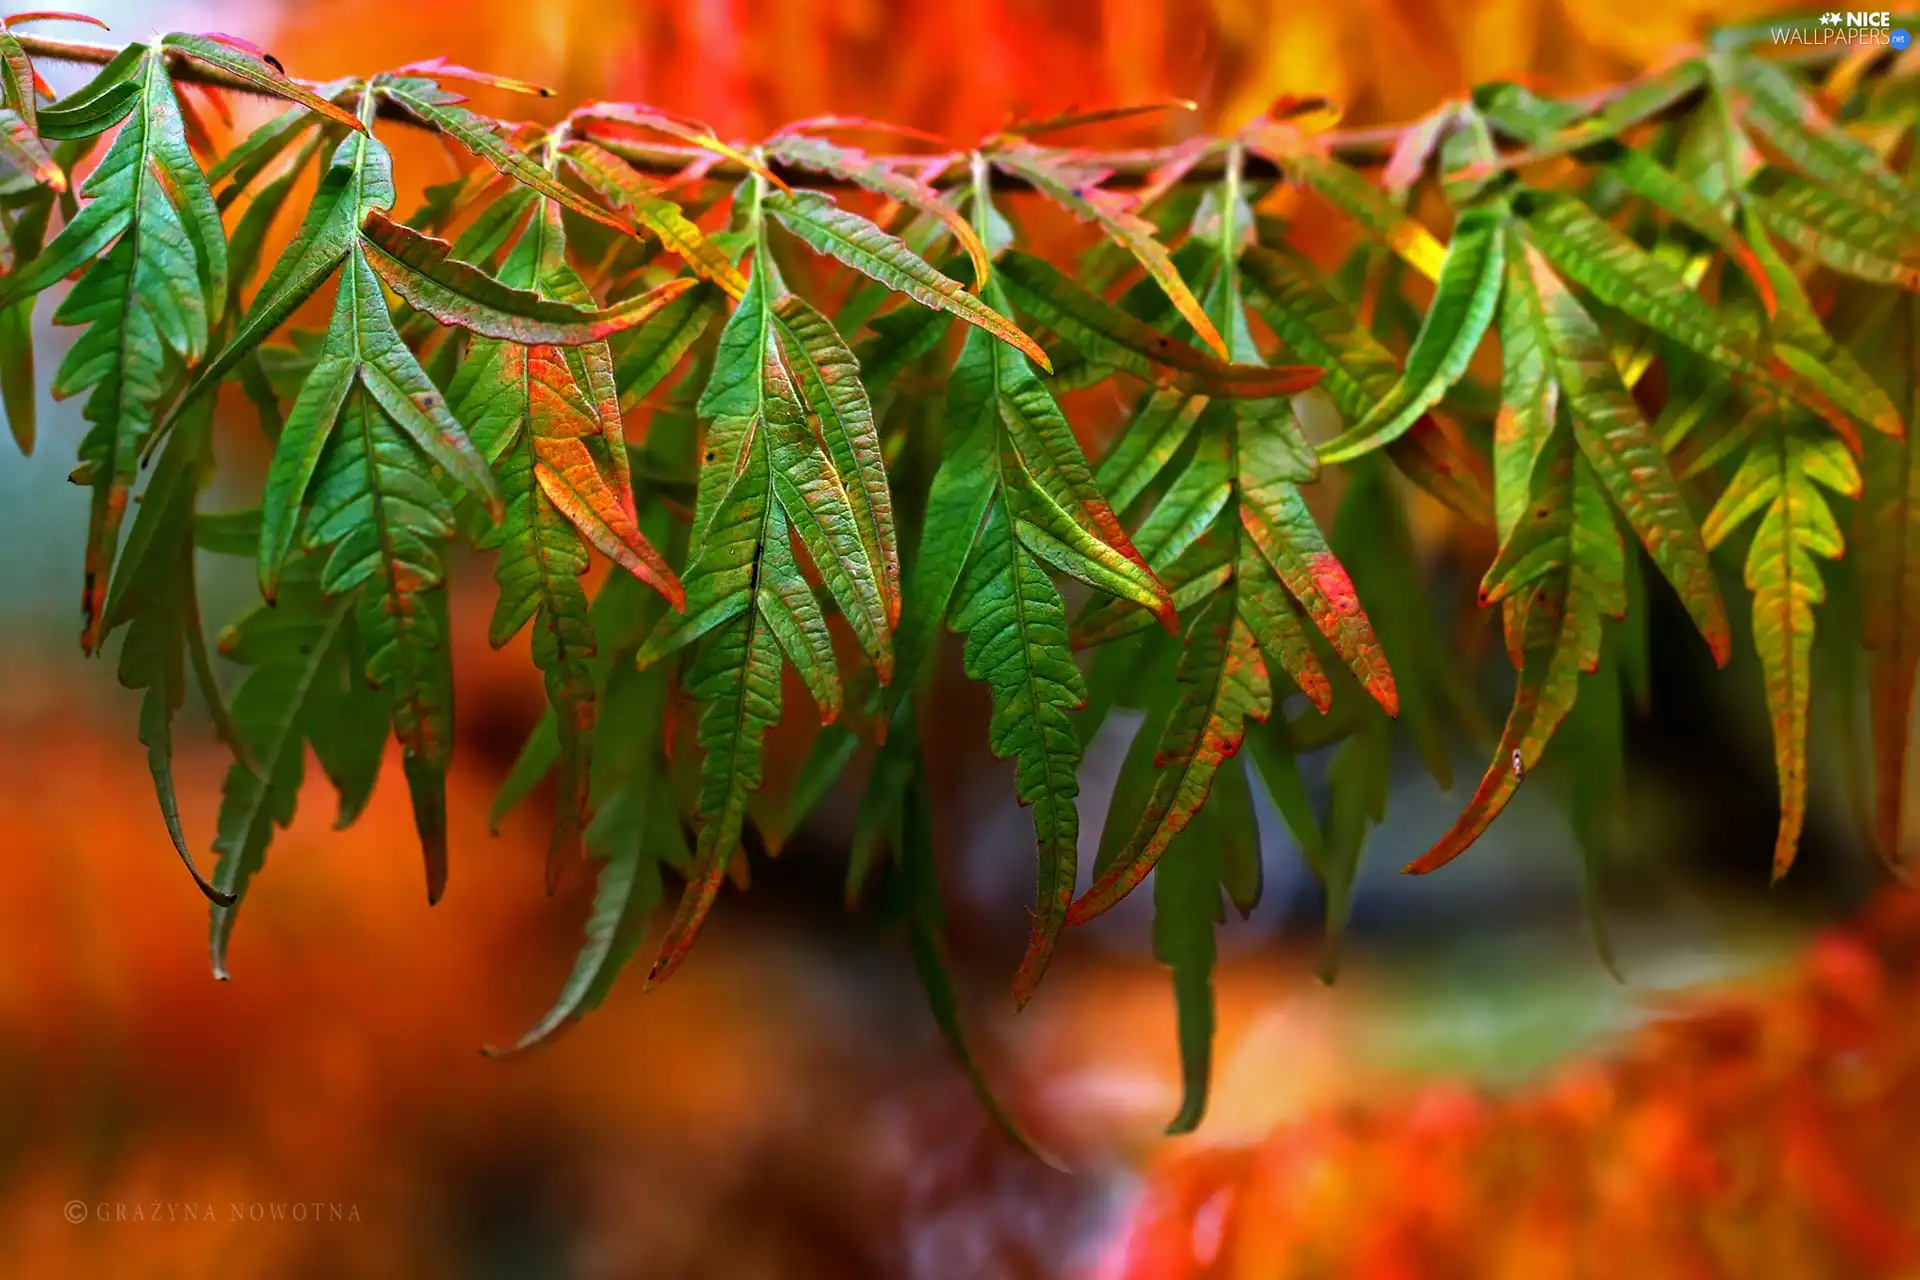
{"x": 784, "y": 1108}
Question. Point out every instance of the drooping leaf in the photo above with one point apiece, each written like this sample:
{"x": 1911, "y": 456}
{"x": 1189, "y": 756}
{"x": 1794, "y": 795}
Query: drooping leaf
{"x": 857, "y": 242}
{"x": 424, "y": 273}
{"x": 1224, "y": 683}
{"x": 362, "y": 352}
{"x": 1464, "y": 301}
{"x": 1619, "y": 447}
{"x": 611, "y": 177}
{"x": 764, "y": 468}
{"x": 1104, "y": 333}
{"x": 1887, "y": 538}
{"x": 635, "y": 828}
{"x": 156, "y": 597}
{"x": 440, "y": 110}
{"x": 1016, "y": 629}
{"x": 293, "y": 654}
{"x": 855, "y": 166}
{"x": 149, "y": 299}
{"x": 1781, "y": 480}
{"x": 925, "y": 924}
{"x": 1079, "y": 192}
{"x": 382, "y": 519}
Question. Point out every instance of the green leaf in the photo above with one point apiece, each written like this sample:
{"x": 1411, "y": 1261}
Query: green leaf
{"x": 610, "y": 176}
{"x": 1464, "y": 301}
{"x": 1848, "y": 171}
{"x": 1602, "y": 260}
{"x": 1110, "y": 336}
{"x": 357, "y": 181}
{"x": 1887, "y": 560}
{"x": 1357, "y": 799}
{"x": 635, "y": 828}
{"x": 18, "y": 394}
{"x": 925, "y": 924}
{"x": 853, "y": 240}
{"x": 763, "y": 467}
{"x": 293, "y": 655}
{"x": 362, "y": 353}
{"x": 1016, "y": 629}
{"x": 424, "y": 273}
{"x": 1617, "y": 443}
{"x": 439, "y": 110}
{"x": 850, "y": 164}
{"x": 1186, "y": 907}
{"x": 382, "y": 518}
{"x": 1559, "y": 571}
{"x": 260, "y": 76}
{"x": 1223, "y": 682}
{"x": 828, "y": 379}
{"x": 102, "y": 102}
{"x": 161, "y": 605}
{"x": 1781, "y": 480}
{"x": 1854, "y": 240}
{"x": 1359, "y": 199}
{"x": 1077, "y": 191}
{"x": 148, "y": 301}
{"x": 1358, "y": 373}
{"x": 643, "y": 357}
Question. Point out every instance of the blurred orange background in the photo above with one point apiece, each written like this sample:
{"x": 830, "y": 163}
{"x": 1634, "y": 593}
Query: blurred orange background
{"x": 782, "y": 1109}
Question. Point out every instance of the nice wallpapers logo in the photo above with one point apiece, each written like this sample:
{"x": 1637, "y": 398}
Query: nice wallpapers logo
{"x": 1835, "y": 27}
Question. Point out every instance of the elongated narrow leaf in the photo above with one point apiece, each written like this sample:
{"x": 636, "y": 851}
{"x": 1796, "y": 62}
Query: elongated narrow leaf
{"x": 1781, "y": 480}
{"x": 423, "y": 271}
{"x": 857, "y": 242}
{"x": 99, "y": 104}
{"x": 764, "y": 469}
{"x": 293, "y": 655}
{"x": 635, "y": 829}
{"x": 1617, "y": 443}
{"x": 1463, "y": 305}
{"x": 1106, "y": 334}
{"x": 1359, "y": 199}
{"x": 1792, "y": 121}
{"x": 150, "y": 301}
{"x": 607, "y": 174}
{"x": 382, "y": 520}
{"x": 1224, "y": 683}
{"x": 1358, "y": 373}
{"x": 1851, "y": 239}
{"x": 1078, "y": 191}
{"x": 262, "y": 76}
{"x": 1016, "y": 629}
{"x": 441, "y": 110}
{"x": 358, "y": 180}
{"x": 1887, "y": 535}
{"x": 157, "y": 597}
{"x": 854, "y": 165}
{"x": 362, "y": 350}
{"x": 1602, "y": 260}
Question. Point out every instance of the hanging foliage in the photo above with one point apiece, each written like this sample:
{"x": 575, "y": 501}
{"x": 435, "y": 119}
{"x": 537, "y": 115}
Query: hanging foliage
{"x": 1635, "y": 332}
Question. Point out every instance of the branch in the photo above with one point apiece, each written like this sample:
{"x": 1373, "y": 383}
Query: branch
{"x": 1130, "y": 167}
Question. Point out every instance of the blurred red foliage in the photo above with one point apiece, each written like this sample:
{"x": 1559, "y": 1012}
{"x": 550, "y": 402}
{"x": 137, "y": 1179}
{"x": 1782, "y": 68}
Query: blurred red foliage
{"x": 1765, "y": 1132}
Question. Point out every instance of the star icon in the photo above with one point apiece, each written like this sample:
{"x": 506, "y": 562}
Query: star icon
{"x": 1830, "y": 19}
